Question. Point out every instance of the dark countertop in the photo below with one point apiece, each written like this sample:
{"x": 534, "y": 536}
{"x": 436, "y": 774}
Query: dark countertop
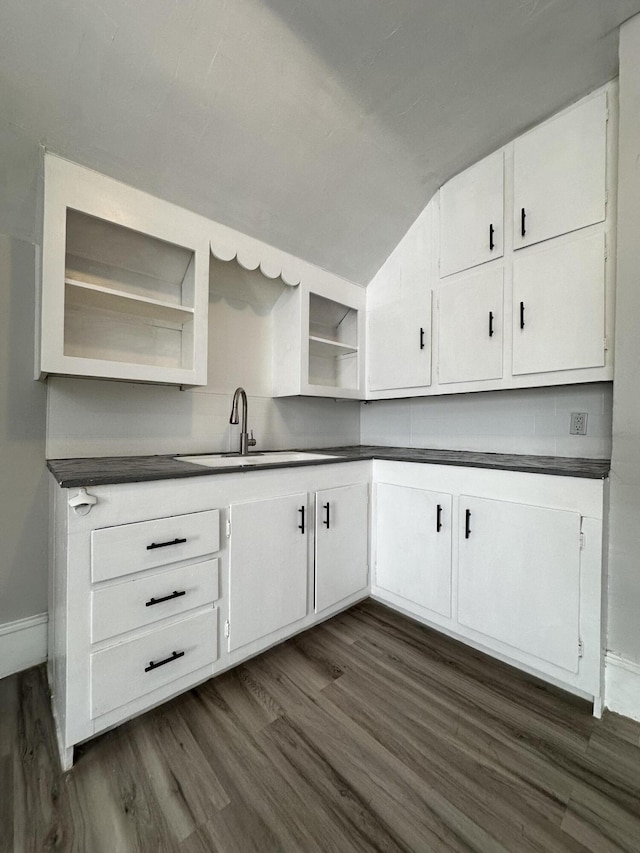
{"x": 108, "y": 470}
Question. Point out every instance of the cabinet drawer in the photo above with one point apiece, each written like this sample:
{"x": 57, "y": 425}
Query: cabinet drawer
{"x": 129, "y": 548}
{"x": 122, "y": 673}
{"x": 140, "y": 602}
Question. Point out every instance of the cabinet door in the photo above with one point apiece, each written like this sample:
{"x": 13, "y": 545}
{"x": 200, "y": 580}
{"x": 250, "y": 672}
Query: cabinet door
{"x": 519, "y": 577}
{"x": 399, "y": 344}
{"x": 470, "y": 336}
{"x": 471, "y": 216}
{"x": 560, "y": 174}
{"x": 559, "y": 306}
{"x": 413, "y": 546}
{"x": 267, "y": 567}
{"x": 341, "y": 543}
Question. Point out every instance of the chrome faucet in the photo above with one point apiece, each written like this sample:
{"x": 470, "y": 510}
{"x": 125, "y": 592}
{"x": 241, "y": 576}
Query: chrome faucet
{"x": 245, "y": 441}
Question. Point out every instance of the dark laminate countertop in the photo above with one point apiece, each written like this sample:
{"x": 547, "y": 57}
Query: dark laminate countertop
{"x": 100, "y": 471}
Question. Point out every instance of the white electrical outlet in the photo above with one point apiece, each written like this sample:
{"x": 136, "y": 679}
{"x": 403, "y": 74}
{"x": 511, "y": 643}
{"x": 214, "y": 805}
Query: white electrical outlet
{"x": 578, "y": 423}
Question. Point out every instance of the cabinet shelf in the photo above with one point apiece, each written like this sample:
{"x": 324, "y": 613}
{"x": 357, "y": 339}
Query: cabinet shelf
{"x": 86, "y": 295}
{"x": 326, "y": 348}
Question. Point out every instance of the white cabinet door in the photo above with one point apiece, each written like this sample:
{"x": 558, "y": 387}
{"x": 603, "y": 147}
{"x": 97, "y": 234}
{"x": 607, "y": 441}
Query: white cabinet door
{"x": 267, "y": 566}
{"x": 399, "y": 344}
{"x": 559, "y": 306}
{"x": 519, "y": 577}
{"x": 560, "y": 174}
{"x": 342, "y": 566}
{"x": 413, "y": 546}
{"x": 470, "y": 312}
{"x": 471, "y": 216}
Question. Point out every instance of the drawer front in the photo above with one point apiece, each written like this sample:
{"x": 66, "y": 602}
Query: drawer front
{"x": 129, "y": 548}
{"x": 132, "y": 669}
{"x": 140, "y": 602}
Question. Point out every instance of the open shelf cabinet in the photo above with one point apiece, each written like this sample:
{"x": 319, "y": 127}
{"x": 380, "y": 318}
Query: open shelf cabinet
{"x": 124, "y": 282}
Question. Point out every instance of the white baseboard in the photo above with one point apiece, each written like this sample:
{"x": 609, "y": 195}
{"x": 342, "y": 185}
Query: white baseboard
{"x": 23, "y": 643}
{"x": 622, "y": 686}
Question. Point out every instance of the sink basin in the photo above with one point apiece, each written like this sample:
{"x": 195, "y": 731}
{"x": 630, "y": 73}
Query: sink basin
{"x": 225, "y": 460}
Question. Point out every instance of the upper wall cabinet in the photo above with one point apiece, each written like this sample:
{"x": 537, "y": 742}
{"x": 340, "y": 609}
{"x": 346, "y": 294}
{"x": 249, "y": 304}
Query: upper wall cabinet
{"x": 125, "y": 280}
{"x": 318, "y": 340}
{"x": 471, "y": 210}
{"x": 399, "y": 344}
{"x": 560, "y": 173}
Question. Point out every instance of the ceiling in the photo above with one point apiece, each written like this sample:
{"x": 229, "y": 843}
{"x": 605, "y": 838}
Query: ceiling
{"x": 322, "y": 127}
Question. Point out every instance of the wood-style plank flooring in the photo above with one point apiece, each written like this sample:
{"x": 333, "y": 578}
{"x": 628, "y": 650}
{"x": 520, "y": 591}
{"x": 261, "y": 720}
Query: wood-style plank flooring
{"x": 368, "y": 732}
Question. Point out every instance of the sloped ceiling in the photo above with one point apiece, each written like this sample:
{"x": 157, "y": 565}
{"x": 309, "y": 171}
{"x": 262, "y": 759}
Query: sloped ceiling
{"x": 320, "y": 126}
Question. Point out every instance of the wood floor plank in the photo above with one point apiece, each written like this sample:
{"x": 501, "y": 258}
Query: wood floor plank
{"x": 369, "y": 732}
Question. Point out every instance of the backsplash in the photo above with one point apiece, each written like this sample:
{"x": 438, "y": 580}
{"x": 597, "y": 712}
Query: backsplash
{"x": 96, "y": 418}
{"x": 528, "y": 420}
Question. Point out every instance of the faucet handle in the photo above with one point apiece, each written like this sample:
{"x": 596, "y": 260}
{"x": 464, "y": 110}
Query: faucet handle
{"x": 251, "y": 441}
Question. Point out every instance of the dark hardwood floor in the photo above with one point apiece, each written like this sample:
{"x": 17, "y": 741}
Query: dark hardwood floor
{"x": 369, "y": 732}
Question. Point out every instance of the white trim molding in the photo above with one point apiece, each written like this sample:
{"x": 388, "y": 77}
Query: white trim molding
{"x": 23, "y": 643}
{"x": 622, "y": 685}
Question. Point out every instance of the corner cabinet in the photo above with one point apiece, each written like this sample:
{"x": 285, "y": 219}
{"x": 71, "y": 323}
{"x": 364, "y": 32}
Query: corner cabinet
{"x": 125, "y": 281}
{"x": 508, "y": 562}
{"x": 318, "y": 340}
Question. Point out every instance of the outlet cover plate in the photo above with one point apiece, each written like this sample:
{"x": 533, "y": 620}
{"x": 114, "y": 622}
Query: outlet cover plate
{"x": 578, "y": 423}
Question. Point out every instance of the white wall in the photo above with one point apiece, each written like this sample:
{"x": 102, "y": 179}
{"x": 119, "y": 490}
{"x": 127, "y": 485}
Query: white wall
{"x": 527, "y": 420}
{"x": 624, "y": 552}
{"x": 23, "y": 496}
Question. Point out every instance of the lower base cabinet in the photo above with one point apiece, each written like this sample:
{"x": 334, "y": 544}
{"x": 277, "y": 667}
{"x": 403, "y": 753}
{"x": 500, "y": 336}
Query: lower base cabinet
{"x": 413, "y": 554}
{"x": 515, "y": 569}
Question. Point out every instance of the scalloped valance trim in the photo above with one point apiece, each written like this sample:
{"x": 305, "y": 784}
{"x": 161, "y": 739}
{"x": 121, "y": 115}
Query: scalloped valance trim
{"x": 227, "y": 245}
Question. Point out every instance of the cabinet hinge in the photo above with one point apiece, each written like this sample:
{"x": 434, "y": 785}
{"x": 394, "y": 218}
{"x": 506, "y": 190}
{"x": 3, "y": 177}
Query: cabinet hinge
{"x": 580, "y": 649}
{"x": 606, "y": 344}
{"x": 581, "y": 540}
{"x": 226, "y": 628}
{"x": 228, "y": 528}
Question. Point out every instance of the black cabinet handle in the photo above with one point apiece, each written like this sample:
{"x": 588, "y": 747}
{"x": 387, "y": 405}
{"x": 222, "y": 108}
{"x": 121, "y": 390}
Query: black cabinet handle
{"x": 164, "y": 544}
{"x": 492, "y": 245}
{"x": 174, "y": 594}
{"x": 467, "y": 523}
{"x": 301, "y": 525}
{"x": 421, "y": 338}
{"x": 438, "y": 518}
{"x": 327, "y": 518}
{"x": 523, "y": 217}
{"x": 490, "y": 324}
{"x": 522, "y": 315}
{"x": 156, "y": 664}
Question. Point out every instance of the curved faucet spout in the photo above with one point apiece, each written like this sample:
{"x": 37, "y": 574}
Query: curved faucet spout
{"x": 245, "y": 441}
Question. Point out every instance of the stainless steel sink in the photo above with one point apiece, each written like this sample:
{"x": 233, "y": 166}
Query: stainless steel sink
{"x": 253, "y": 460}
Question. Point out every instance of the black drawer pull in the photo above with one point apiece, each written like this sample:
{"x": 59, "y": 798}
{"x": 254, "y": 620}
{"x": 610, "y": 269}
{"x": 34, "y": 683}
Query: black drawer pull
{"x": 421, "y": 338}
{"x": 523, "y": 217}
{"x": 438, "y": 518}
{"x": 164, "y": 544}
{"x": 492, "y": 245}
{"x": 156, "y": 664}
{"x": 327, "y": 518}
{"x": 467, "y": 523}
{"x": 174, "y": 594}
{"x": 522, "y": 315}
{"x": 301, "y": 525}
{"x": 490, "y": 324}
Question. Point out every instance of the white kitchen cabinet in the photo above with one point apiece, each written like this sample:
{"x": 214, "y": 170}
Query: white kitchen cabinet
{"x": 413, "y": 546}
{"x": 519, "y": 577}
{"x": 560, "y": 172}
{"x": 399, "y": 344}
{"x": 470, "y": 327}
{"x": 471, "y": 216}
{"x": 559, "y": 305}
{"x": 267, "y": 566}
{"x": 341, "y": 543}
{"x": 318, "y": 340}
{"x": 125, "y": 282}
